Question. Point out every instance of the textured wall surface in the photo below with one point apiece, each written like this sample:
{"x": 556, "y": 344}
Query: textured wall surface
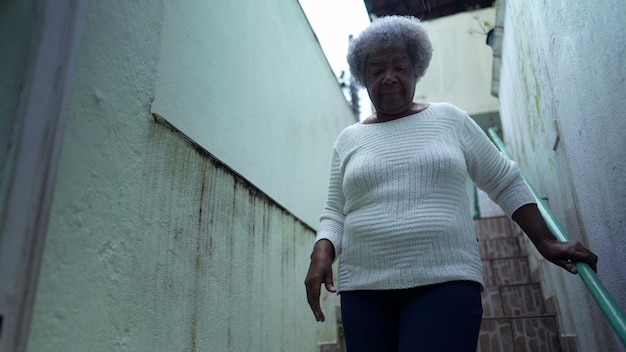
{"x": 154, "y": 244}
{"x": 244, "y": 80}
{"x": 562, "y": 108}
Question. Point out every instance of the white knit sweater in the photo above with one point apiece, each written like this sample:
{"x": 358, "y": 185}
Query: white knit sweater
{"x": 398, "y": 212}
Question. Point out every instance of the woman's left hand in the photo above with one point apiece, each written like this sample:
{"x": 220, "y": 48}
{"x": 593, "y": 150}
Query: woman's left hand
{"x": 564, "y": 254}
{"x": 567, "y": 254}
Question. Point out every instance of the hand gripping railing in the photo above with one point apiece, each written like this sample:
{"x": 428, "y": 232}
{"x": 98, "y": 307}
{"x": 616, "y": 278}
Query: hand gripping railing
{"x": 589, "y": 277}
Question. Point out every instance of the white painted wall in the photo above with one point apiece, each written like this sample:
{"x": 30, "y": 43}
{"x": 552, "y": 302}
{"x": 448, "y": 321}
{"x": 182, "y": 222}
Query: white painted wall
{"x": 460, "y": 70}
{"x": 564, "y": 64}
{"x": 244, "y": 81}
{"x": 154, "y": 244}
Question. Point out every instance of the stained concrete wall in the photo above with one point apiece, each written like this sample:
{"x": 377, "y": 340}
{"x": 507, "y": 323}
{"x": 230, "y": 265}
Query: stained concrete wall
{"x": 562, "y": 89}
{"x": 156, "y": 242}
{"x": 243, "y": 80}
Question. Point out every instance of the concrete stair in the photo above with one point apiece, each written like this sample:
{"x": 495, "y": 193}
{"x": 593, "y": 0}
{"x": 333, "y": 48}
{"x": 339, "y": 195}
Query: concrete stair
{"x": 516, "y": 317}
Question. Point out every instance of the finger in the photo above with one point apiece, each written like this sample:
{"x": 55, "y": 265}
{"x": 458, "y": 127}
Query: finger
{"x": 592, "y": 260}
{"x": 595, "y": 263}
{"x": 313, "y": 297}
{"x": 586, "y": 256}
{"x": 330, "y": 287}
{"x": 571, "y": 267}
{"x": 567, "y": 265}
{"x": 319, "y": 316}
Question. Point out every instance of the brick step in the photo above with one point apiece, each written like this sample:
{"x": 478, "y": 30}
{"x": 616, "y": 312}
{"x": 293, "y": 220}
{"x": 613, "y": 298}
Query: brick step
{"x": 493, "y": 228}
{"x": 516, "y": 316}
{"x": 515, "y": 301}
{"x": 519, "y": 334}
{"x": 507, "y": 271}
{"x": 499, "y": 248}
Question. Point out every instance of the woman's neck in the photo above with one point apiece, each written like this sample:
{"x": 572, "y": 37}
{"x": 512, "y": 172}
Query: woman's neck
{"x": 379, "y": 117}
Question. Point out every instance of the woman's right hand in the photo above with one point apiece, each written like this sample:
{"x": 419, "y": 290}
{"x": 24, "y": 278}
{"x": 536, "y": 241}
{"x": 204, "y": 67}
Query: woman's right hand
{"x": 320, "y": 272}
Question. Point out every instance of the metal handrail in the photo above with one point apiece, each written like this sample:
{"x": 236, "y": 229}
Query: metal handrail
{"x": 589, "y": 277}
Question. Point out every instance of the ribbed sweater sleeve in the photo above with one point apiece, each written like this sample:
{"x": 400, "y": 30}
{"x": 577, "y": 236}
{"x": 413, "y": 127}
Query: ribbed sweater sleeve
{"x": 491, "y": 171}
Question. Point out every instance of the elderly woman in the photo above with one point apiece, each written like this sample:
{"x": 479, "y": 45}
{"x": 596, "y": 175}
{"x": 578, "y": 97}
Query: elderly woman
{"x": 398, "y": 215}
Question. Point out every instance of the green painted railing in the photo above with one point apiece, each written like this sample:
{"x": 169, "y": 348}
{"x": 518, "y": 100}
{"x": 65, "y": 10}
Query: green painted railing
{"x": 589, "y": 277}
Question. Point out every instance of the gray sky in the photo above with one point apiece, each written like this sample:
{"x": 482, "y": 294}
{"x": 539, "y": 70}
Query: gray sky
{"x": 333, "y": 22}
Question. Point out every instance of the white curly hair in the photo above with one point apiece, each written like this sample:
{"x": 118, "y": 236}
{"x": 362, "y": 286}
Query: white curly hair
{"x": 387, "y": 33}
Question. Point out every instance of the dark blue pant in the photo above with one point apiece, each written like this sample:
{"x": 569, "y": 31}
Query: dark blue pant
{"x": 444, "y": 317}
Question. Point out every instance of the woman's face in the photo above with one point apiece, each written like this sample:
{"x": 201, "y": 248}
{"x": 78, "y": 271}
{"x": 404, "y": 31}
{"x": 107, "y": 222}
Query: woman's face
{"x": 390, "y": 81}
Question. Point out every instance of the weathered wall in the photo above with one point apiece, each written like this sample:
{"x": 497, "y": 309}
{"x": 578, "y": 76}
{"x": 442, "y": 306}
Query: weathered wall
{"x": 243, "y": 80}
{"x": 155, "y": 245}
{"x": 562, "y": 89}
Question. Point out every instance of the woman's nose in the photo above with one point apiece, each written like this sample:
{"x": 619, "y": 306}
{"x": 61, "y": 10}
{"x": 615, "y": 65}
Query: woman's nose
{"x": 389, "y": 77}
